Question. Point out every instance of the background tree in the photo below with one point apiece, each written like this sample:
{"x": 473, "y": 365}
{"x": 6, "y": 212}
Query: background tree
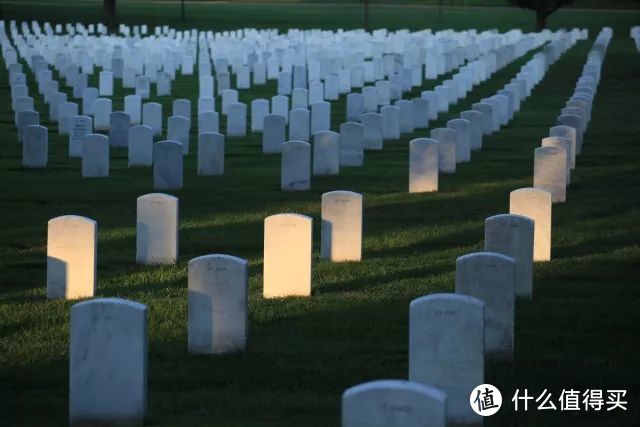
{"x": 110, "y": 14}
{"x": 543, "y": 9}
{"x": 365, "y": 3}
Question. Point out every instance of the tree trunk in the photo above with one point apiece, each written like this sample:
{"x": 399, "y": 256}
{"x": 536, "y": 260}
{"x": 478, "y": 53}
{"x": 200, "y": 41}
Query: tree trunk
{"x": 110, "y": 14}
{"x": 541, "y": 20}
{"x": 182, "y": 14}
{"x": 366, "y": 15}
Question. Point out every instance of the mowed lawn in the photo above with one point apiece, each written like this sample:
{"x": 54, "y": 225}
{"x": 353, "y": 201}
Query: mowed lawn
{"x": 580, "y": 331}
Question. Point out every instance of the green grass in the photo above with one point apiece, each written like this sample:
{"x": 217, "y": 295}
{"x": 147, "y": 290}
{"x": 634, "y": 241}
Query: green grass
{"x": 580, "y": 331}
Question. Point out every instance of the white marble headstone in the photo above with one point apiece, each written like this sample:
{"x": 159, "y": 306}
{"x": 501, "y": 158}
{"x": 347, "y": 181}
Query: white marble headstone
{"x": 535, "y": 204}
{"x": 549, "y": 172}
{"x": 423, "y": 165}
{"x": 157, "y": 229}
{"x": 295, "y": 172}
{"x": 95, "y": 156}
{"x": 217, "y": 304}
{"x": 71, "y": 257}
{"x": 108, "y": 362}
{"x": 210, "y": 154}
{"x": 446, "y": 349}
{"x": 35, "y": 147}
{"x": 140, "y": 151}
{"x": 167, "y": 165}
{"x": 512, "y": 235}
{"x": 326, "y": 153}
{"x": 351, "y": 144}
{"x": 490, "y": 277}
{"x": 393, "y": 403}
{"x": 341, "y": 238}
{"x": 287, "y": 255}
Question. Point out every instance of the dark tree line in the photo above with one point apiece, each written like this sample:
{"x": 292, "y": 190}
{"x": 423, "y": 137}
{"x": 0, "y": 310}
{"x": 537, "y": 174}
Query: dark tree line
{"x": 542, "y": 8}
{"x": 110, "y": 13}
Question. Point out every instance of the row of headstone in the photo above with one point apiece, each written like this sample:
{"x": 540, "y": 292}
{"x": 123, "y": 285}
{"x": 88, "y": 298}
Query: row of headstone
{"x": 288, "y": 243}
{"x": 454, "y": 144}
{"x": 452, "y": 336}
{"x": 71, "y": 244}
{"x": 374, "y": 128}
{"x": 555, "y": 159}
{"x": 142, "y": 58}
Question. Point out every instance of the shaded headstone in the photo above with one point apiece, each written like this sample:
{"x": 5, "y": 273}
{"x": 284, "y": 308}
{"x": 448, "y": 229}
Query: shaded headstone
{"x": 446, "y": 349}
{"x": 95, "y": 156}
{"x": 101, "y": 111}
{"x": 295, "y": 172}
{"x": 237, "y": 120}
{"x": 351, "y": 144}
{"x": 475, "y": 119}
{"x": 299, "y": 125}
{"x": 35, "y": 147}
{"x": 105, "y": 83}
{"x": 447, "y": 144}
{"x": 108, "y": 362}
{"x": 549, "y": 172}
{"x": 576, "y": 123}
{"x": 300, "y": 98}
{"x": 393, "y": 403}
{"x": 217, "y": 304}
{"x": 341, "y": 238}
{"x": 370, "y": 99}
{"x": 259, "y": 109}
{"x": 326, "y": 153}
{"x": 208, "y": 121}
{"x": 273, "y": 133}
{"x": 67, "y": 111}
{"x": 119, "y": 124}
{"x": 355, "y": 107}
{"x": 182, "y": 107}
{"x": 178, "y": 130}
{"x": 89, "y": 95}
{"x": 140, "y": 151}
{"x": 320, "y": 116}
{"x": 565, "y": 144}
{"x": 167, "y": 165}
{"x": 487, "y": 116}
{"x": 152, "y": 116}
{"x": 463, "y": 139}
{"x": 206, "y": 103}
{"x": 229, "y": 96}
{"x": 420, "y": 111}
{"x": 133, "y": 107}
{"x": 390, "y": 122}
{"x": 569, "y": 133}
{"x": 405, "y": 123}
{"x": 512, "y": 235}
{"x": 490, "y": 277}
{"x": 280, "y": 106}
{"x": 157, "y": 229}
{"x": 210, "y": 154}
{"x": 372, "y": 131}
{"x": 26, "y": 118}
{"x": 423, "y": 165}
{"x": 163, "y": 85}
